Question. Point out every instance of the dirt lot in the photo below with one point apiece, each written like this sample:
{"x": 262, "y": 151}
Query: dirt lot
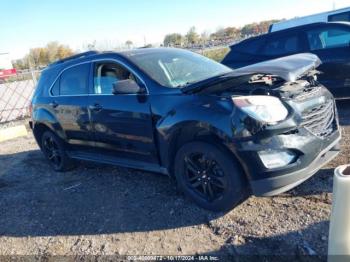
{"x": 104, "y": 210}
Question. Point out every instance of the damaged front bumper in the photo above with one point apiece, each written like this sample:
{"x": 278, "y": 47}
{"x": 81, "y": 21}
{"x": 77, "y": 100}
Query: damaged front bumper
{"x": 311, "y": 154}
{"x": 284, "y": 182}
{"x": 279, "y": 157}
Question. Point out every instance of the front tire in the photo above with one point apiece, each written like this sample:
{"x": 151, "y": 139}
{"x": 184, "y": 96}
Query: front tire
{"x": 54, "y": 151}
{"x": 210, "y": 176}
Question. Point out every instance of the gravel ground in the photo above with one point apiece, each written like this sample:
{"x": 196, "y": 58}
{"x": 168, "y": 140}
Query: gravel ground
{"x": 104, "y": 210}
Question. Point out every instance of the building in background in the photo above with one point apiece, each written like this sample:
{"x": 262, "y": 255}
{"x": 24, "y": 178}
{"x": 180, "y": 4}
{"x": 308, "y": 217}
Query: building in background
{"x": 6, "y": 67}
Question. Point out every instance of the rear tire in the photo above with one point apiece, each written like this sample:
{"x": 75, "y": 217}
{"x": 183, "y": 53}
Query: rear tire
{"x": 54, "y": 151}
{"x": 210, "y": 176}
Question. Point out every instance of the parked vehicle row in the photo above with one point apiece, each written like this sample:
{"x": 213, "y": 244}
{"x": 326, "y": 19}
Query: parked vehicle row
{"x": 221, "y": 133}
{"x": 329, "y": 41}
{"x": 339, "y": 15}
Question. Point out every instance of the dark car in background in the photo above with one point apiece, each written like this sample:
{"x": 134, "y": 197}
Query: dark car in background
{"x": 221, "y": 134}
{"x": 329, "y": 41}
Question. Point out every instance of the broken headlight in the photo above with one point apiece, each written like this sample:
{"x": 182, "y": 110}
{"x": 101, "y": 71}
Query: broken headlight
{"x": 267, "y": 109}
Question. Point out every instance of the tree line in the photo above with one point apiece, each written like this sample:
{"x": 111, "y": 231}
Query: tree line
{"x": 42, "y": 56}
{"x": 192, "y": 37}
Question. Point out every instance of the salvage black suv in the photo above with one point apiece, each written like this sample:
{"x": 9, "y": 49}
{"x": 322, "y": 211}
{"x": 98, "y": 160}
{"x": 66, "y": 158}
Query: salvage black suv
{"x": 221, "y": 133}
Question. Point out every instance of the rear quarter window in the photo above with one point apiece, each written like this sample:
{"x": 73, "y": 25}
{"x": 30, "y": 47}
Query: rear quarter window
{"x": 55, "y": 91}
{"x": 74, "y": 81}
{"x": 45, "y": 81}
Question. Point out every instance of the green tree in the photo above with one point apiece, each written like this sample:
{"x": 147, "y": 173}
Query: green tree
{"x": 63, "y": 52}
{"x": 20, "y": 64}
{"x": 52, "y": 50}
{"x": 257, "y": 28}
{"x": 34, "y": 56}
{"x": 192, "y": 37}
{"x": 174, "y": 39}
{"x": 219, "y": 34}
{"x": 129, "y": 43}
{"x": 55, "y": 51}
{"x": 42, "y": 56}
{"x": 232, "y": 32}
{"x": 205, "y": 36}
{"x": 247, "y": 30}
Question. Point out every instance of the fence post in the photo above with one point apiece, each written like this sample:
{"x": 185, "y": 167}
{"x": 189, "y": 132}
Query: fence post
{"x": 33, "y": 77}
{"x": 32, "y": 72}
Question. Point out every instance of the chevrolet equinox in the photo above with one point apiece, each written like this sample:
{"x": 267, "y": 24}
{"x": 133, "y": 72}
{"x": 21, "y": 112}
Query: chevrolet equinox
{"x": 222, "y": 134}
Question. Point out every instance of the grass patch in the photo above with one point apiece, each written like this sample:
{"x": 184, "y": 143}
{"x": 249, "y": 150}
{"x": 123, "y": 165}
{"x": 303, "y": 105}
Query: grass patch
{"x": 216, "y": 54}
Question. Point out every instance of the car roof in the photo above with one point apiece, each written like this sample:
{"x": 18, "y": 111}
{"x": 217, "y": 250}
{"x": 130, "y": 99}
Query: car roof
{"x": 141, "y": 51}
{"x": 291, "y": 29}
{"x": 92, "y": 55}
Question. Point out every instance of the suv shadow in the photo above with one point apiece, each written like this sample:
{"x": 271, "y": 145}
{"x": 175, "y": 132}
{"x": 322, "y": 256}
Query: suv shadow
{"x": 95, "y": 199}
{"x": 90, "y": 200}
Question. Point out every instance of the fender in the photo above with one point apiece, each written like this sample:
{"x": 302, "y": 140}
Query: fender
{"x": 43, "y": 116}
{"x": 190, "y": 121}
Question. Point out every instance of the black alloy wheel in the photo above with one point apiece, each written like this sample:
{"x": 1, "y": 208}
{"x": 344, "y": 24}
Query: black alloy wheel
{"x": 54, "y": 151}
{"x": 205, "y": 176}
{"x": 210, "y": 176}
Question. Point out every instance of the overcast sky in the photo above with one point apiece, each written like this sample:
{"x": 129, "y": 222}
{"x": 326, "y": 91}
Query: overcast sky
{"x": 32, "y": 23}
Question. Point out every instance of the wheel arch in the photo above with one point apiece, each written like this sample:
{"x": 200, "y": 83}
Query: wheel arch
{"x": 43, "y": 120}
{"x": 189, "y": 132}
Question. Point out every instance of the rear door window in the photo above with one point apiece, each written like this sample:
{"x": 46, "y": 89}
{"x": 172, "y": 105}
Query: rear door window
{"x": 281, "y": 45}
{"x": 327, "y": 38}
{"x": 74, "y": 81}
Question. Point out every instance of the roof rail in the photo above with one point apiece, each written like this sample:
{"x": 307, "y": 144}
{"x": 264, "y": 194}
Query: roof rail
{"x": 80, "y": 55}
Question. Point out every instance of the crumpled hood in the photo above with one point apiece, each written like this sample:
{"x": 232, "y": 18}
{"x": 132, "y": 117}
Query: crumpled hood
{"x": 289, "y": 68}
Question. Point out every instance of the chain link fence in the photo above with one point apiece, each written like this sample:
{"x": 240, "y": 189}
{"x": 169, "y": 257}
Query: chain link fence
{"x": 15, "y": 96}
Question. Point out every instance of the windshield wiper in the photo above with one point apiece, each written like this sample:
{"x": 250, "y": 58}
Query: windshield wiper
{"x": 183, "y": 85}
{"x": 198, "y": 86}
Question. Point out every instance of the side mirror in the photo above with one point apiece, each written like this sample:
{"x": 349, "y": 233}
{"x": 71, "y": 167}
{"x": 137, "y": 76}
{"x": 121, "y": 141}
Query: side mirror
{"x": 126, "y": 86}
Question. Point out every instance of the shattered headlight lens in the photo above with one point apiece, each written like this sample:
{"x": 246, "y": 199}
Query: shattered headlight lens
{"x": 267, "y": 109}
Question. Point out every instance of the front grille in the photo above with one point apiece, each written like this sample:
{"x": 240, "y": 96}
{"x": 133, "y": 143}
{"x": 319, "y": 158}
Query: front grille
{"x": 320, "y": 119}
{"x": 306, "y": 93}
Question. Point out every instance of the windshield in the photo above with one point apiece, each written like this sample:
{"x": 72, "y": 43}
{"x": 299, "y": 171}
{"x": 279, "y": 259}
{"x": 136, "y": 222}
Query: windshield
{"x": 177, "y": 68}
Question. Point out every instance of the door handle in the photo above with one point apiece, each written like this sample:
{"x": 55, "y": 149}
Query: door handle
{"x": 95, "y": 107}
{"x": 53, "y": 104}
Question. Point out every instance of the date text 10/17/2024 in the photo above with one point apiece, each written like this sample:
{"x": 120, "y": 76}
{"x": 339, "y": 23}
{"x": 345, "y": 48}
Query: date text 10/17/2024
{"x": 173, "y": 258}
